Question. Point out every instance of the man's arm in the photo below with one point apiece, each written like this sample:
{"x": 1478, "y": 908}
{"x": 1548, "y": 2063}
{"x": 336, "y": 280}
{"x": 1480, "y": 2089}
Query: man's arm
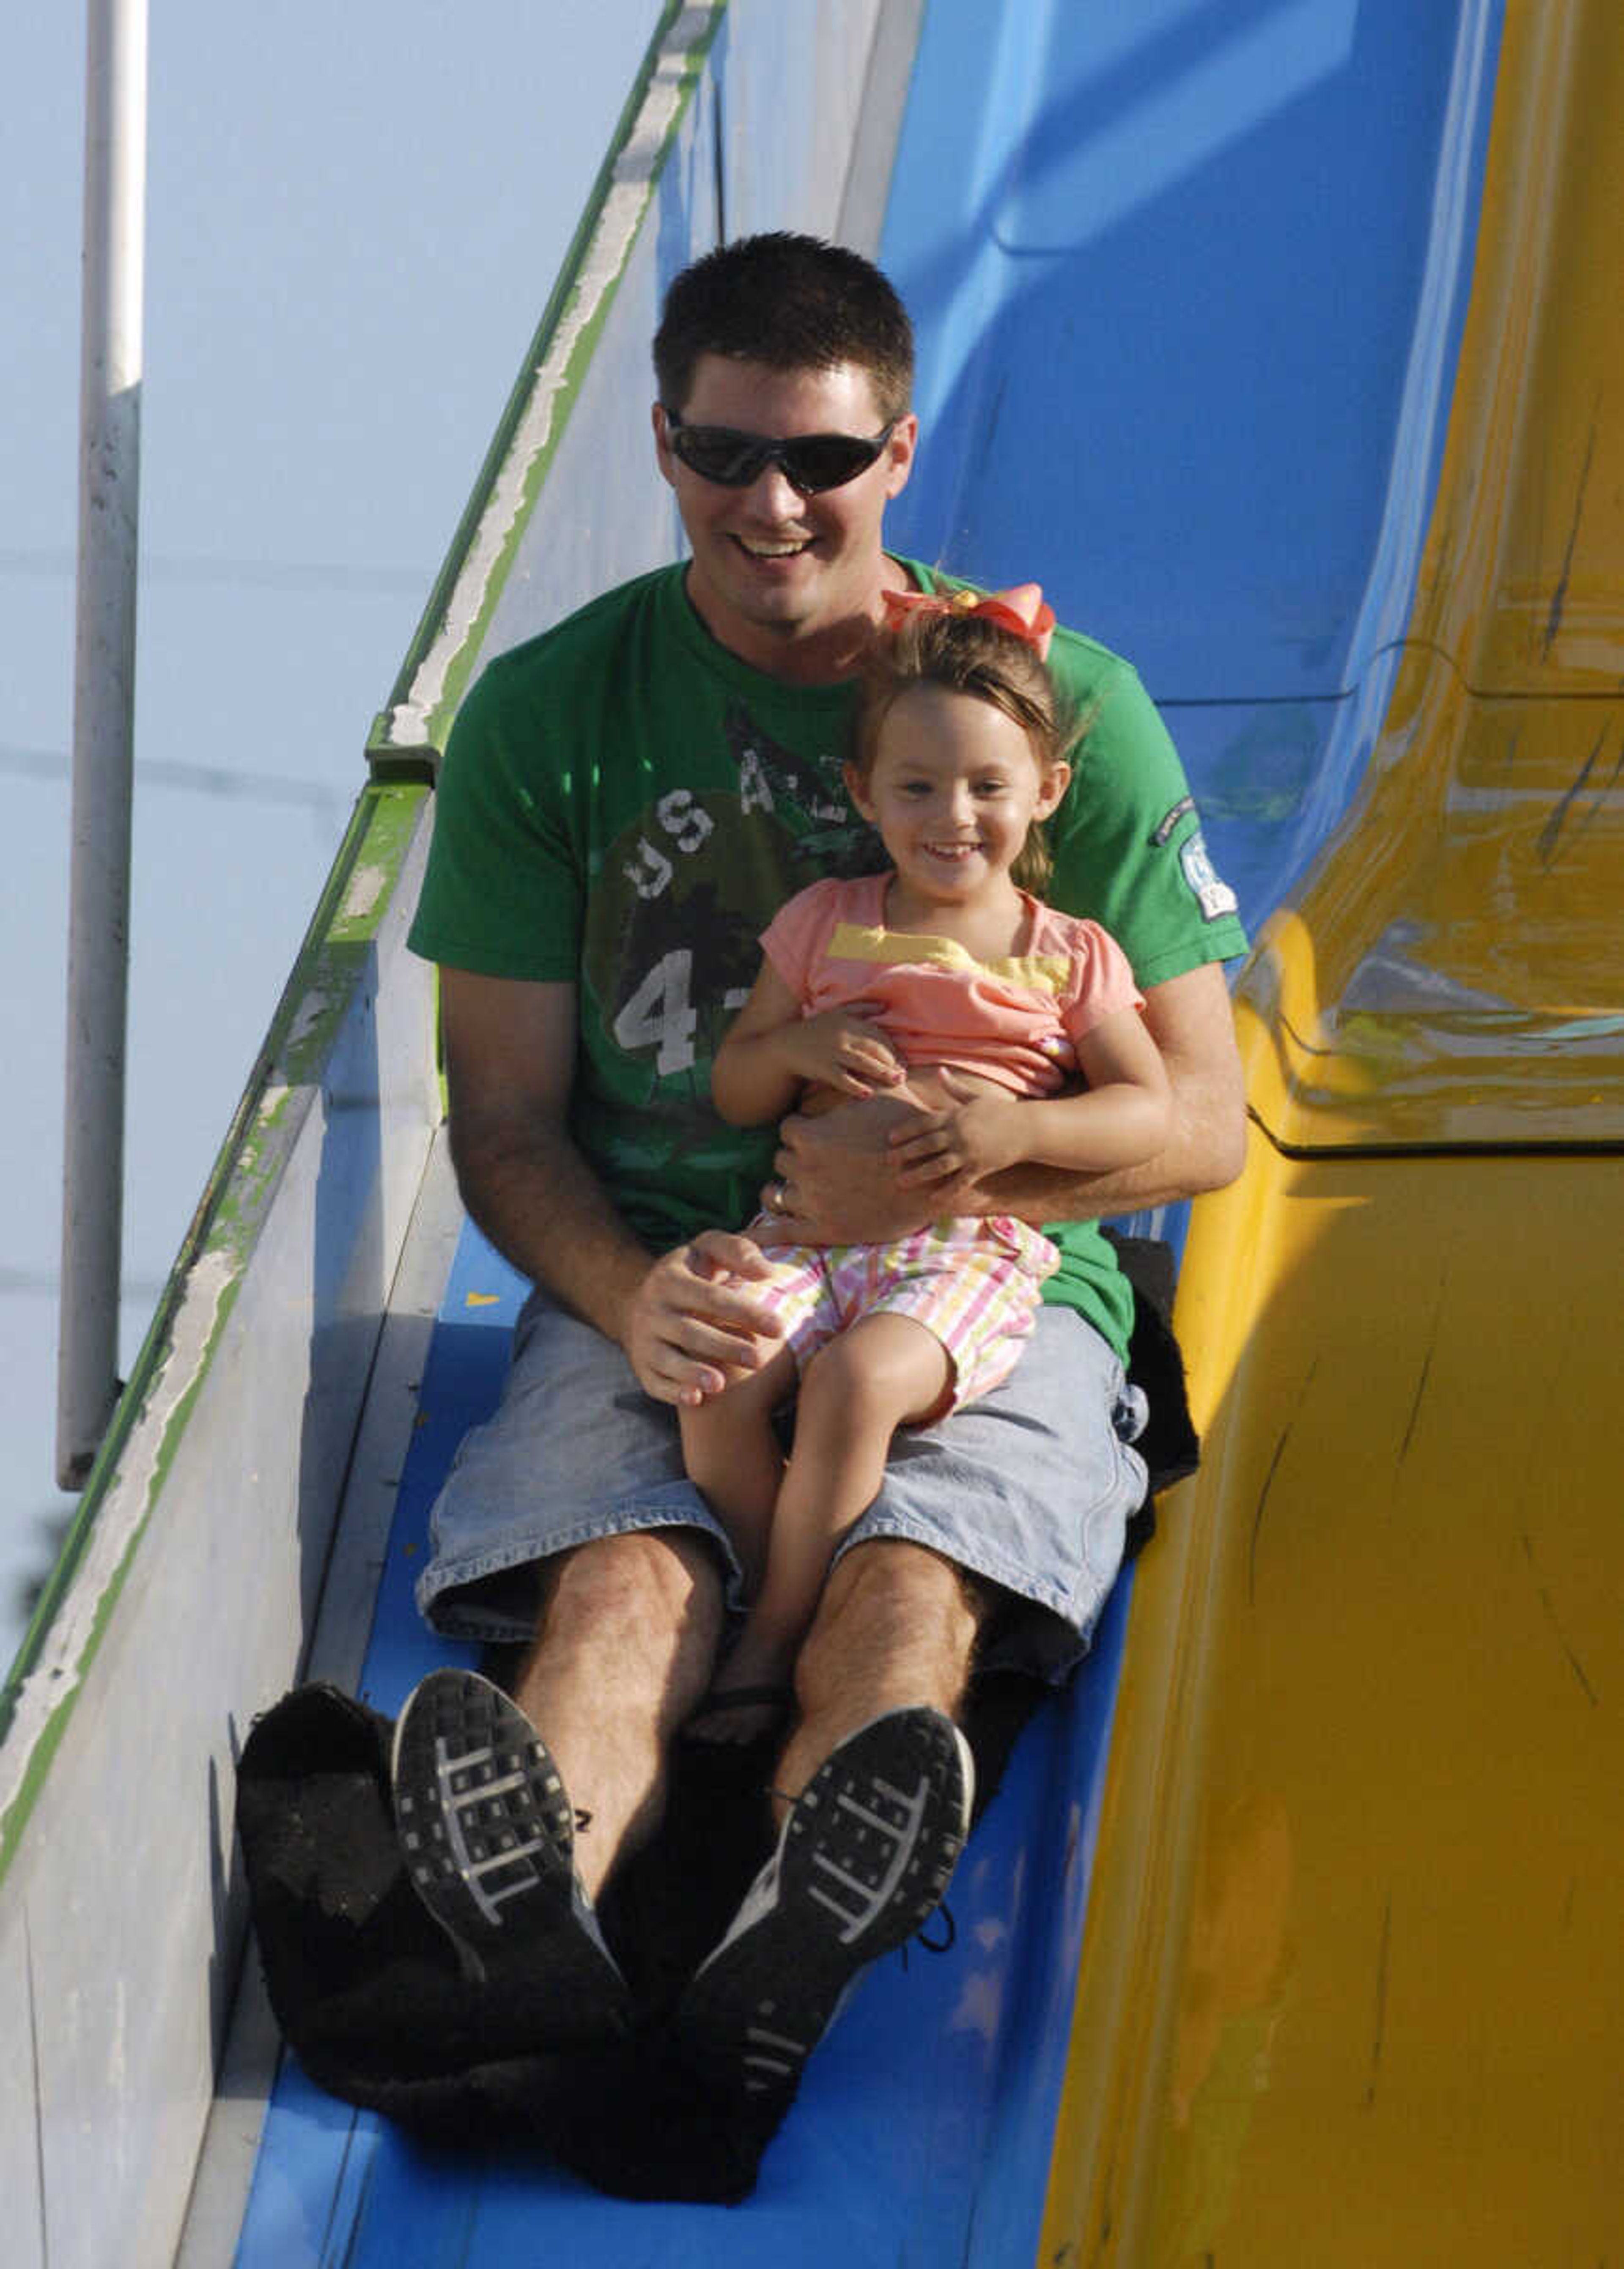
{"x": 510, "y": 1061}
{"x": 842, "y": 1176}
{"x": 1191, "y": 1021}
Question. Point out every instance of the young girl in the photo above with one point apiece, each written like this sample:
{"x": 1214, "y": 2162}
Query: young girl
{"x": 945, "y": 984}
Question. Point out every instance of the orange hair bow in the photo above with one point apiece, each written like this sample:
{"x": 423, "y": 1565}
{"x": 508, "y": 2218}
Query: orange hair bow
{"x": 1020, "y": 610}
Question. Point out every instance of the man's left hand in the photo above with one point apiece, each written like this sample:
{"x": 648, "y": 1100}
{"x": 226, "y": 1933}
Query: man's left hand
{"x": 837, "y": 1180}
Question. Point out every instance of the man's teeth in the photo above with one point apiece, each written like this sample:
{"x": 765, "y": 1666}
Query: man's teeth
{"x": 774, "y": 551}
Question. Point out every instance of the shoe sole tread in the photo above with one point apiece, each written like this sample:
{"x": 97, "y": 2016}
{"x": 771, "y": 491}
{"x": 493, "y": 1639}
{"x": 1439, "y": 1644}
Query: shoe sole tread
{"x": 866, "y": 1859}
{"x": 487, "y": 1832}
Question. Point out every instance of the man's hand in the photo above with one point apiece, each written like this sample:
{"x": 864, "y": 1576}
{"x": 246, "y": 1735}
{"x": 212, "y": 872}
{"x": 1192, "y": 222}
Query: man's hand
{"x": 838, "y": 1179}
{"x": 692, "y": 1327}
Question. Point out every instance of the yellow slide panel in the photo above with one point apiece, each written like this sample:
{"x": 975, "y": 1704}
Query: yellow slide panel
{"x": 1353, "y": 1989}
{"x": 1353, "y": 1985}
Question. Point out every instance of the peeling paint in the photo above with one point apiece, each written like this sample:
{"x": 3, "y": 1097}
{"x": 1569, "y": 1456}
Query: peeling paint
{"x": 367, "y": 884}
{"x": 148, "y": 1430}
{"x": 308, "y": 1014}
{"x": 70, "y": 1642}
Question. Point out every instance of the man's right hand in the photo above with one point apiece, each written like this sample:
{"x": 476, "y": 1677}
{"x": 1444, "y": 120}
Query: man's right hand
{"x": 693, "y": 1327}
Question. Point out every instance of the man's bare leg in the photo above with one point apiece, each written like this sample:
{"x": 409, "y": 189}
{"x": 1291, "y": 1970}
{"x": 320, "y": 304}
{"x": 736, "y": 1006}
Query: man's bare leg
{"x": 895, "y": 1628}
{"x": 886, "y": 1782}
{"x": 512, "y": 1810}
{"x": 628, "y": 1635}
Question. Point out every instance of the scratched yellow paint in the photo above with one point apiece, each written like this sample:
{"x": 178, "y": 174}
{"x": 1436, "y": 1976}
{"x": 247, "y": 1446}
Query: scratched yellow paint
{"x": 1352, "y": 1982}
{"x": 1353, "y": 1989}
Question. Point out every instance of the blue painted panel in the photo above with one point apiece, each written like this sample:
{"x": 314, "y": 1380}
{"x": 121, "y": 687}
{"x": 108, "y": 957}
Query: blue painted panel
{"x": 461, "y": 1381}
{"x": 1168, "y": 285}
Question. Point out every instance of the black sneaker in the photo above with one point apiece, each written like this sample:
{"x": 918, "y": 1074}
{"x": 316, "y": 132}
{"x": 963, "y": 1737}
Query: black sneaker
{"x": 863, "y": 1860}
{"x": 488, "y": 1835}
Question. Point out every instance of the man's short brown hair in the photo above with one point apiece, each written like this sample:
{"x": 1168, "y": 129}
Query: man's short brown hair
{"x": 792, "y": 302}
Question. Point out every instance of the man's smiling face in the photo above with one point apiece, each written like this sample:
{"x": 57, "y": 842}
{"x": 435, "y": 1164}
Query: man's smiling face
{"x": 787, "y": 582}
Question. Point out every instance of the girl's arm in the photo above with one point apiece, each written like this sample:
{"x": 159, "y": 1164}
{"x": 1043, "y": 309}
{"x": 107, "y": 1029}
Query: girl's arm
{"x": 842, "y": 1170}
{"x": 1121, "y": 1120}
{"x": 771, "y": 1051}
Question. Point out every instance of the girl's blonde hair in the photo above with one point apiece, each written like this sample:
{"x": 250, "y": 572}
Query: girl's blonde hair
{"x": 964, "y": 652}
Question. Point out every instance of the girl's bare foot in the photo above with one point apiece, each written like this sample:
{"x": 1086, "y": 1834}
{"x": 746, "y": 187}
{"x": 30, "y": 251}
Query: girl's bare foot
{"x": 754, "y": 1692}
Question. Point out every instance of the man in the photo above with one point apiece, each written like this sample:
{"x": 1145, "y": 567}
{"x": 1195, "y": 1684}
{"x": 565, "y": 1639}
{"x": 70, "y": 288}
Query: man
{"x": 625, "y": 803}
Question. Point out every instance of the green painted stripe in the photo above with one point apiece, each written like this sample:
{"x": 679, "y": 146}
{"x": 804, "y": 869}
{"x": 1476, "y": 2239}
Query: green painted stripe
{"x": 195, "y": 1305}
{"x": 408, "y": 735}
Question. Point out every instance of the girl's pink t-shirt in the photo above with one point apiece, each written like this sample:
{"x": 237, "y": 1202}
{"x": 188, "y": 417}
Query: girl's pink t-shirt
{"x": 1015, "y": 1021}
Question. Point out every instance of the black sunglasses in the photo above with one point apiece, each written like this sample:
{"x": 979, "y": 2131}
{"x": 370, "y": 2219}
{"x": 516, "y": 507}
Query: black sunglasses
{"x": 810, "y": 462}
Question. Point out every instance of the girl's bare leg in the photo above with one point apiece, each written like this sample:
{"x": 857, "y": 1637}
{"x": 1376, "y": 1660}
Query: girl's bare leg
{"x": 885, "y": 1371}
{"x": 731, "y": 1451}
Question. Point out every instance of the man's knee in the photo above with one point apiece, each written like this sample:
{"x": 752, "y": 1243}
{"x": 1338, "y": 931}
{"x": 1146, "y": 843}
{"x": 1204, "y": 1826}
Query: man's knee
{"x": 650, "y": 1586}
{"x": 889, "y": 1606}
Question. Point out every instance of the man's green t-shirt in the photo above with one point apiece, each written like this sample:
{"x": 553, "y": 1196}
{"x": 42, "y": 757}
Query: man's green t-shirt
{"x": 624, "y": 805}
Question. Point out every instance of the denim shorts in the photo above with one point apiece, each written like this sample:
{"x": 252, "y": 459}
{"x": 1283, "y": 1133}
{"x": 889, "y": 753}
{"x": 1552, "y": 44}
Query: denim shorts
{"x": 1029, "y": 1488}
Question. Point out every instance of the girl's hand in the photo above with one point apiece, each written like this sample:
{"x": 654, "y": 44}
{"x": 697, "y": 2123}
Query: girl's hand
{"x": 843, "y": 1049}
{"x": 951, "y": 1150}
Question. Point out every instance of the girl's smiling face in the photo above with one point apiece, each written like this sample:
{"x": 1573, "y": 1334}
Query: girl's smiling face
{"x": 953, "y": 787}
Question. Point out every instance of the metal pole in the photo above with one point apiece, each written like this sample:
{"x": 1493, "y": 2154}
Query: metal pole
{"x": 87, "y": 1383}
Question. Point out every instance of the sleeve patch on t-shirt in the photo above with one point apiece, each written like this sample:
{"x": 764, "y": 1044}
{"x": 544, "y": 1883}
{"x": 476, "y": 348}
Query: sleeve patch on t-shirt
{"x": 1184, "y": 804}
{"x": 1210, "y": 891}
